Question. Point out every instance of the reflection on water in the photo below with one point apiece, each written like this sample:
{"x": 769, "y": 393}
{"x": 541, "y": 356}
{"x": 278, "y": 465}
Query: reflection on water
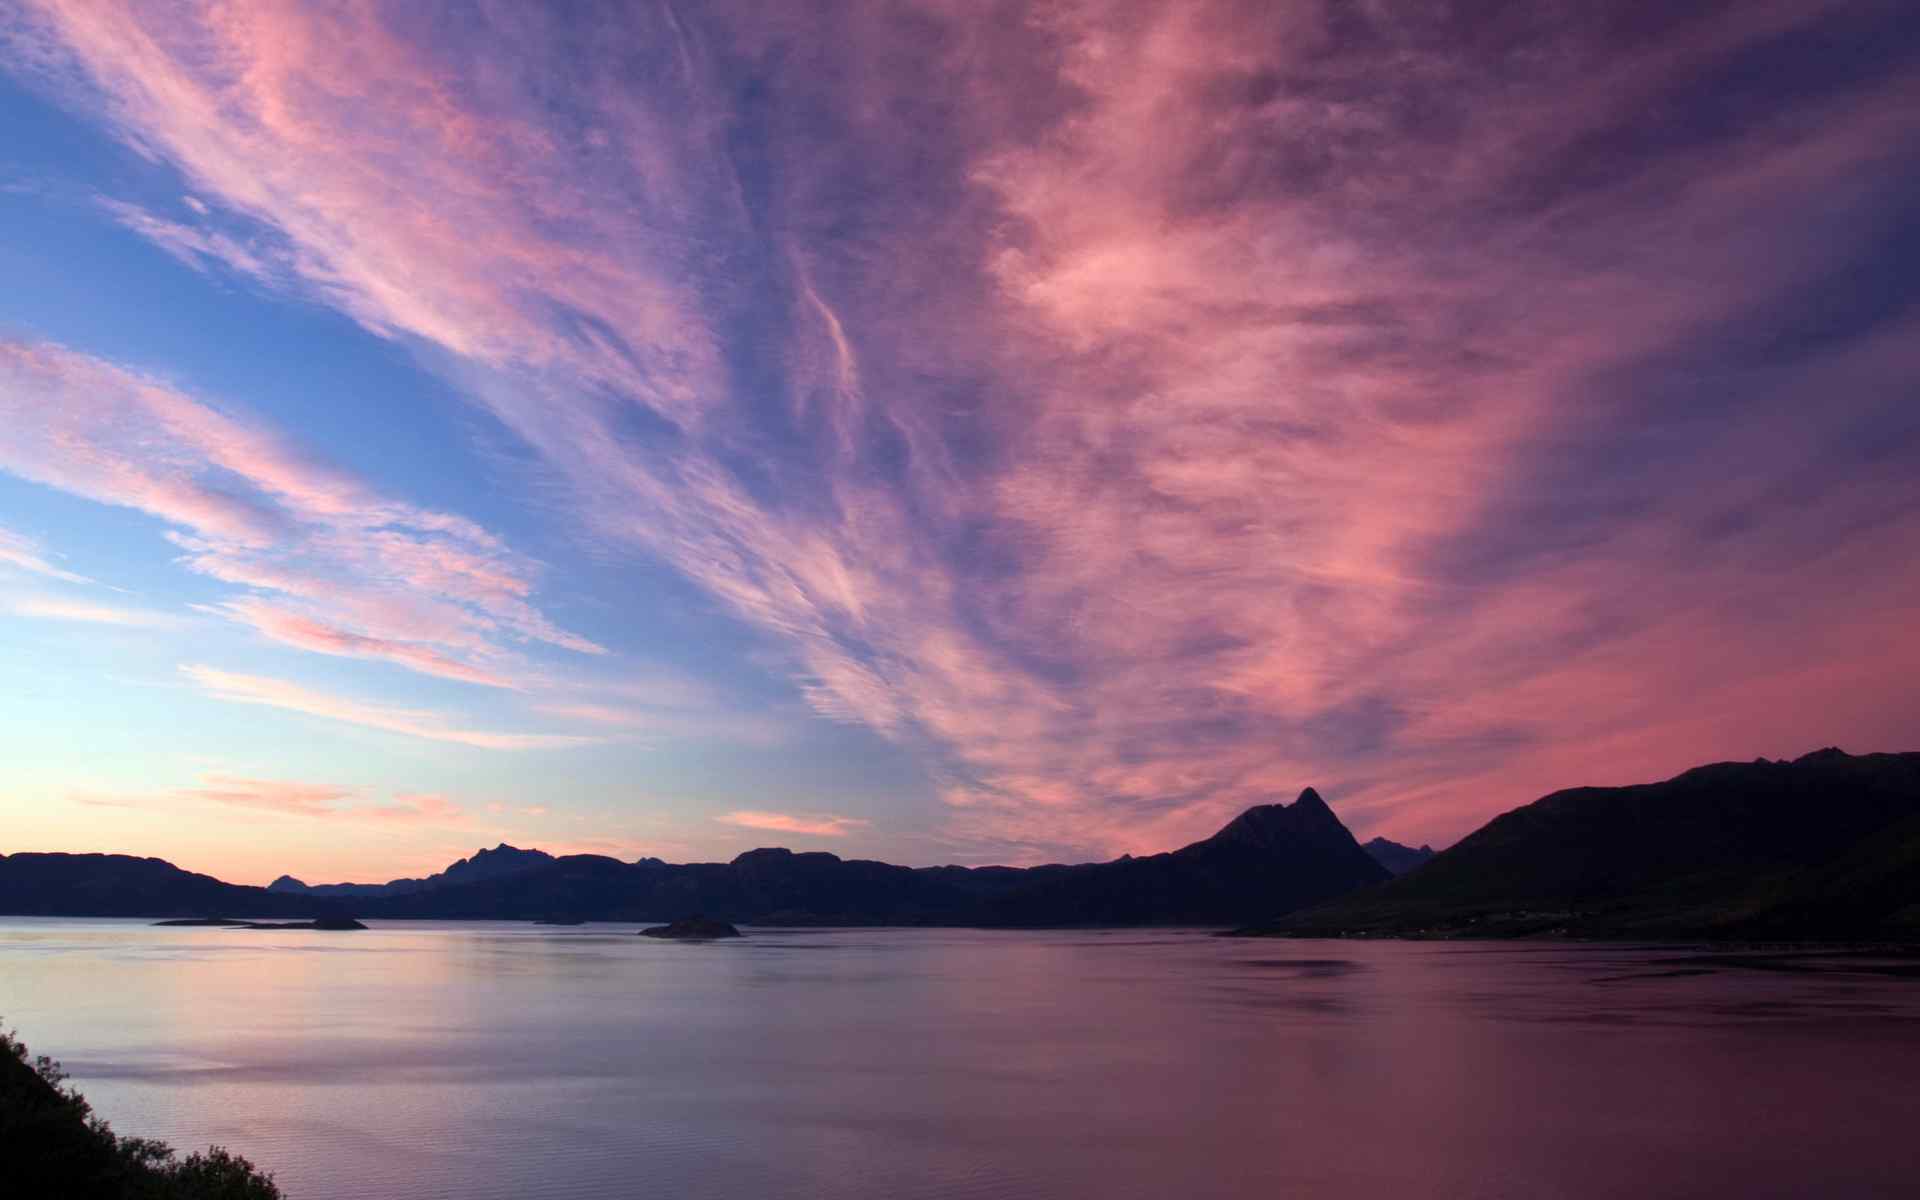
{"x": 510, "y": 1061}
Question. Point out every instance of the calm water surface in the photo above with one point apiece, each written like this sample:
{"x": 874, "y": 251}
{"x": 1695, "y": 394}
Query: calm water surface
{"x": 507, "y": 1061}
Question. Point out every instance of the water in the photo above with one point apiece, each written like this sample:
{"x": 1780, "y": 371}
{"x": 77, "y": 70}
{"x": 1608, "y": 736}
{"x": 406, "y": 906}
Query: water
{"x": 510, "y": 1061}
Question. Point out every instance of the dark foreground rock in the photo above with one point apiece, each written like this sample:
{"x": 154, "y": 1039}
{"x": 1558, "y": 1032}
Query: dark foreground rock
{"x": 693, "y": 929}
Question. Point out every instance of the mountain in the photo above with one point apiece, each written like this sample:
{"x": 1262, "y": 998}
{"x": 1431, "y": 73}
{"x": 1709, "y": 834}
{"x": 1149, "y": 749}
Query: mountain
{"x": 498, "y": 863}
{"x": 1269, "y": 860}
{"x": 1397, "y": 859}
{"x": 119, "y": 885}
{"x": 1825, "y": 846}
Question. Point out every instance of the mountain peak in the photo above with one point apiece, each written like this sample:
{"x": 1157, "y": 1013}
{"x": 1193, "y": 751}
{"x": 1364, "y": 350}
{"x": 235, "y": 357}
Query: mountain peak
{"x": 1826, "y": 754}
{"x": 1270, "y": 824}
{"x": 763, "y": 854}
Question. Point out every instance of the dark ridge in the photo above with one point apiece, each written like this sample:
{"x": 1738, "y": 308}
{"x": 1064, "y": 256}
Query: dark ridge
{"x": 1826, "y": 847}
{"x": 1269, "y": 860}
{"x": 498, "y": 863}
{"x": 120, "y": 885}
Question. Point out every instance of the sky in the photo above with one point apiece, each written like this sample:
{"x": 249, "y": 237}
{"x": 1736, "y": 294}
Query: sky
{"x": 941, "y": 432}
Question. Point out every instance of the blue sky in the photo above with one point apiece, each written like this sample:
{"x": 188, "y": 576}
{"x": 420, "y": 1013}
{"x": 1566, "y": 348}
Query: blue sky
{"x": 939, "y": 436}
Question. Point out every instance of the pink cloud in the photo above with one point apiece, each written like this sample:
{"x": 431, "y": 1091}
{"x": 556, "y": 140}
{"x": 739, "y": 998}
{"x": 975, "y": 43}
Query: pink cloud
{"x": 195, "y": 248}
{"x": 420, "y": 723}
{"x": 420, "y": 808}
{"x": 272, "y": 795}
{"x": 292, "y": 798}
{"x": 354, "y": 572}
{"x": 295, "y": 629}
{"x": 814, "y": 824}
{"x": 1193, "y": 408}
{"x": 691, "y": 723}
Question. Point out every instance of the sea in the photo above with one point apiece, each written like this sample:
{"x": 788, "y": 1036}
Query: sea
{"x": 497, "y": 1061}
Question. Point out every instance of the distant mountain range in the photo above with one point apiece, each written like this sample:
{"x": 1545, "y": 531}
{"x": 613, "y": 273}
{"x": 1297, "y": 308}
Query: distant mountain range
{"x": 1825, "y": 846}
{"x": 1397, "y": 859}
{"x": 1271, "y": 859}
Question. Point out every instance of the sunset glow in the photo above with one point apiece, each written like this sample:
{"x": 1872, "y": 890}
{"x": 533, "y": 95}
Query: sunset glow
{"x": 937, "y": 432}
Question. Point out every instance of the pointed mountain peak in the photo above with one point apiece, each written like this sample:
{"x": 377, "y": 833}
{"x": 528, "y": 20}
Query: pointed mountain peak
{"x": 1266, "y": 824}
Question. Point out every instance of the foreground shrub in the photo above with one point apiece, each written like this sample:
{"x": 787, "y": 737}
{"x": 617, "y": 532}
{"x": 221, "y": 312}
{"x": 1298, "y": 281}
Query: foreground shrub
{"x": 52, "y": 1145}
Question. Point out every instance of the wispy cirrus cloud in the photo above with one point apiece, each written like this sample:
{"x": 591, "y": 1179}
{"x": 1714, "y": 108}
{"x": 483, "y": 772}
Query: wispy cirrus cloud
{"x": 271, "y": 795}
{"x": 288, "y": 797}
{"x": 655, "y": 723}
{"x": 195, "y": 247}
{"x": 334, "y": 566}
{"x": 1155, "y": 407}
{"x": 415, "y": 808}
{"x": 814, "y": 824}
{"x": 413, "y": 722}
{"x": 49, "y": 608}
{"x": 25, "y": 554}
{"x": 297, "y": 629}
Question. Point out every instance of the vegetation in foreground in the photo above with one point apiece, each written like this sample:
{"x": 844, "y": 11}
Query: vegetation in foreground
{"x": 52, "y": 1145}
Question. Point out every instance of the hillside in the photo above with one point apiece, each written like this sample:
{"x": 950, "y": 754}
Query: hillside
{"x": 1825, "y": 846}
{"x": 120, "y": 885}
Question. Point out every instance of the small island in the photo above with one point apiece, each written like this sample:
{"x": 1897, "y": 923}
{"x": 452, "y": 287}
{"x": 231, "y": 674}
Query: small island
{"x": 332, "y": 924}
{"x": 692, "y": 929}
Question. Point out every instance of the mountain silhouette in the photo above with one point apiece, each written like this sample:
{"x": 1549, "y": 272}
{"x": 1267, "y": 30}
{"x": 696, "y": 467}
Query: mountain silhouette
{"x": 497, "y": 863}
{"x": 1825, "y": 846}
{"x": 1269, "y": 860}
{"x": 120, "y": 885}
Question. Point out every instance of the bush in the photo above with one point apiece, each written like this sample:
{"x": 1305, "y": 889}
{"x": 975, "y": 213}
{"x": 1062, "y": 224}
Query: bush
{"x": 52, "y": 1145}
